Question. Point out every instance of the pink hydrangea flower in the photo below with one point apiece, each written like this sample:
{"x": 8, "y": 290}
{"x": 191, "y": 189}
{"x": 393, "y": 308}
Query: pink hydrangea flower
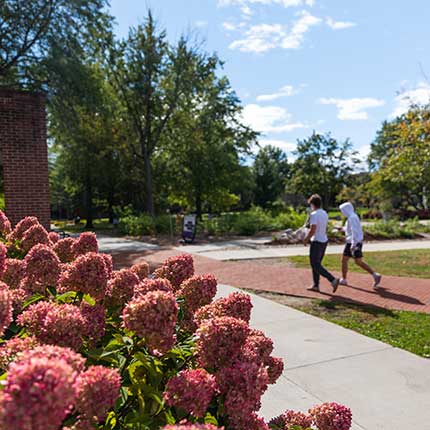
{"x": 109, "y": 264}
{"x": 219, "y": 341}
{"x": 148, "y": 285}
{"x": 53, "y": 352}
{"x": 176, "y": 269}
{"x": 38, "y": 394}
{"x": 331, "y": 416}
{"x": 64, "y": 249}
{"x": 236, "y": 305}
{"x": 5, "y": 308}
{"x": 55, "y": 324}
{"x": 97, "y": 390}
{"x": 19, "y": 230}
{"x": 191, "y": 390}
{"x": 35, "y": 235}
{"x": 290, "y": 420}
{"x": 248, "y": 422}
{"x": 13, "y": 349}
{"x": 120, "y": 288}
{"x": 5, "y": 227}
{"x": 42, "y": 269}
{"x": 141, "y": 269}
{"x": 3, "y": 262}
{"x": 14, "y": 273}
{"x": 257, "y": 347}
{"x": 87, "y": 274}
{"x": 198, "y": 291}
{"x": 95, "y": 321}
{"x": 190, "y": 426}
{"x": 242, "y": 386}
{"x": 18, "y": 297}
{"x": 275, "y": 367}
{"x": 153, "y": 317}
{"x": 54, "y": 237}
{"x": 86, "y": 242}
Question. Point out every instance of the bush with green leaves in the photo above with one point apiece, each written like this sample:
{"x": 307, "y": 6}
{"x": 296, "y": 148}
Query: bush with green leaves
{"x": 85, "y": 347}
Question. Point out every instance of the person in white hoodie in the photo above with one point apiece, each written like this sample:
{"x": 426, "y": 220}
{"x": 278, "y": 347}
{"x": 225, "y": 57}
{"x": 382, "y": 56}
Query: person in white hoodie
{"x": 354, "y": 245}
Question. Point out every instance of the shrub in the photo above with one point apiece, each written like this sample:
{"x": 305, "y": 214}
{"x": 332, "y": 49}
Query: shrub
{"x": 97, "y": 349}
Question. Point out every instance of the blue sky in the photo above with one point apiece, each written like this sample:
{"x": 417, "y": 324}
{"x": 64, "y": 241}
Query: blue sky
{"x": 301, "y": 65}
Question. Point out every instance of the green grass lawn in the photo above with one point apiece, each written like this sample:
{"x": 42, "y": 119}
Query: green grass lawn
{"x": 100, "y": 225}
{"x": 406, "y": 330}
{"x": 412, "y": 263}
{"x": 2, "y": 205}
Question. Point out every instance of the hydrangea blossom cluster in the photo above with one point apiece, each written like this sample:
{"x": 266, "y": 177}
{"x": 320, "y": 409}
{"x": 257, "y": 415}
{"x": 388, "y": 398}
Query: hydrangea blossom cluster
{"x": 236, "y": 305}
{"x": 64, "y": 249}
{"x": 248, "y": 422}
{"x": 36, "y": 234}
{"x": 176, "y": 269}
{"x": 5, "y": 308}
{"x": 97, "y": 389}
{"x": 331, "y": 416}
{"x": 95, "y": 321}
{"x": 189, "y": 426}
{"x": 191, "y": 390}
{"x": 120, "y": 288}
{"x": 55, "y": 324}
{"x": 32, "y": 383}
{"x": 5, "y": 227}
{"x": 158, "y": 284}
{"x": 290, "y": 420}
{"x": 141, "y": 269}
{"x": 18, "y": 232}
{"x": 242, "y": 385}
{"x": 54, "y": 237}
{"x": 87, "y": 274}
{"x": 13, "y": 348}
{"x": 42, "y": 269}
{"x": 153, "y": 317}
{"x": 86, "y": 242}
{"x": 219, "y": 341}
{"x": 3, "y": 262}
{"x": 14, "y": 273}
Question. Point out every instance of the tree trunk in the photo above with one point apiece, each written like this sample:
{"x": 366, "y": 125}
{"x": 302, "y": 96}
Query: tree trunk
{"x": 199, "y": 206}
{"x": 89, "y": 202}
{"x": 110, "y": 199}
{"x": 149, "y": 198}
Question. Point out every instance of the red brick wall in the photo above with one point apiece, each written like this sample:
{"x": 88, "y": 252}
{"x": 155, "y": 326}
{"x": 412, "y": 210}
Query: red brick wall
{"x": 24, "y": 155}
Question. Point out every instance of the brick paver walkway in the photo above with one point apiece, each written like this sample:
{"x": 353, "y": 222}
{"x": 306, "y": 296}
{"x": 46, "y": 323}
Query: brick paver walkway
{"x": 395, "y": 292}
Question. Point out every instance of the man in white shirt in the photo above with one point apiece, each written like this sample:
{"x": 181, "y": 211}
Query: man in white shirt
{"x": 317, "y": 235}
{"x": 354, "y": 245}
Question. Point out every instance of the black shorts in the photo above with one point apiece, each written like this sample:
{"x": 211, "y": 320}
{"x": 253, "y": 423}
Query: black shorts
{"x": 358, "y": 251}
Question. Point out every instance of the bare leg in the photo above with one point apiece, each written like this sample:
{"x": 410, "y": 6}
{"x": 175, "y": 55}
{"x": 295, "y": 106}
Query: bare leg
{"x": 359, "y": 262}
{"x": 345, "y": 260}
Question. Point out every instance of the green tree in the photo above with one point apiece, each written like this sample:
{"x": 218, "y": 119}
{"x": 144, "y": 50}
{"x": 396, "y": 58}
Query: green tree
{"x": 271, "y": 170}
{"x": 321, "y": 166}
{"x": 28, "y": 30}
{"x": 400, "y": 159}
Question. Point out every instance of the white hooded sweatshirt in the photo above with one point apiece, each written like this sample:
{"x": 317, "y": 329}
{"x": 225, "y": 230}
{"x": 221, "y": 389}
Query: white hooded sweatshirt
{"x": 353, "y": 230}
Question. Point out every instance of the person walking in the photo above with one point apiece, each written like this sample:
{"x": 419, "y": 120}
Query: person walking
{"x": 317, "y": 236}
{"x": 354, "y": 245}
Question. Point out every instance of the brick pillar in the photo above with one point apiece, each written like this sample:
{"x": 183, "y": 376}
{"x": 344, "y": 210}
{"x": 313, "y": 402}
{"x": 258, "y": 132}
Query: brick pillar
{"x": 24, "y": 155}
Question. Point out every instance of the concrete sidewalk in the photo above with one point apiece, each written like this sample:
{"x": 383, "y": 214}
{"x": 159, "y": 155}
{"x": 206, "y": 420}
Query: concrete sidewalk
{"x": 386, "y": 388}
{"x": 252, "y": 249}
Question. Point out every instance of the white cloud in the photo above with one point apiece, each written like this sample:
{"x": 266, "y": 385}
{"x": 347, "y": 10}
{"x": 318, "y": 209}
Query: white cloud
{"x": 339, "y": 25}
{"x": 264, "y": 37}
{"x": 229, "y": 26}
{"x": 281, "y": 144}
{"x": 284, "y": 3}
{"x": 285, "y": 91}
{"x": 269, "y": 119}
{"x": 419, "y": 95}
{"x": 295, "y": 37}
{"x": 352, "y": 109}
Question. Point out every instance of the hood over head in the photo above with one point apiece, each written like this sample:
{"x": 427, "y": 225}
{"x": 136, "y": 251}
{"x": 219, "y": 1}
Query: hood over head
{"x": 347, "y": 209}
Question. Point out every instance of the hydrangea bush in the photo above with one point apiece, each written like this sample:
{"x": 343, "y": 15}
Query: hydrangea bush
{"x": 86, "y": 347}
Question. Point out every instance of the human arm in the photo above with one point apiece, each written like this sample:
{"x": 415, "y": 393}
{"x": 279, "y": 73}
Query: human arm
{"x": 311, "y": 232}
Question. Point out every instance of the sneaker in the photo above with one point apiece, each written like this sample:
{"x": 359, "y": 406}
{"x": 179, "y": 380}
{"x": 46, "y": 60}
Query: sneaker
{"x": 377, "y": 280}
{"x": 335, "y": 284}
{"x": 344, "y": 282}
{"x": 314, "y": 288}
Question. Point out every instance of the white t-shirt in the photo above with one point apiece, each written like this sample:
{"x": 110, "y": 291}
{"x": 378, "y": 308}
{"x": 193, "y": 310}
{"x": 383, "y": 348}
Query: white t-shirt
{"x": 320, "y": 219}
